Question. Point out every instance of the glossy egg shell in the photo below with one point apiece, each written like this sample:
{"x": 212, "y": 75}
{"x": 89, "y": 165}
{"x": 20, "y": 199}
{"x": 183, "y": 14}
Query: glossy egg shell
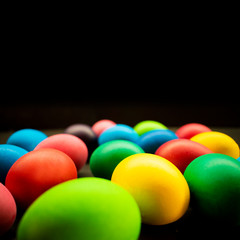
{"x": 181, "y": 152}
{"x": 214, "y": 180}
{"x": 108, "y": 155}
{"x": 36, "y": 172}
{"x": 148, "y": 125}
{"x": 26, "y": 138}
{"x": 158, "y": 187}
{"x": 86, "y": 208}
{"x": 85, "y": 133}
{"x": 191, "y": 129}
{"x": 102, "y": 125}
{"x": 118, "y": 132}
{"x": 71, "y": 145}
{"x": 152, "y": 140}
{"x": 9, "y": 154}
{"x": 218, "y": 142}
{"x": 8, "y": 209}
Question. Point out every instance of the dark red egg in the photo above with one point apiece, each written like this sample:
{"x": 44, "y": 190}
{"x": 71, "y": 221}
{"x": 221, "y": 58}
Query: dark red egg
{"x": 181, "y": 152}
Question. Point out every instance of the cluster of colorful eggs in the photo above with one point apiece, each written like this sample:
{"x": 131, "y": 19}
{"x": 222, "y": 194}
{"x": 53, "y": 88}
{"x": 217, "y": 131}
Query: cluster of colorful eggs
{"x": 142, "y": 174}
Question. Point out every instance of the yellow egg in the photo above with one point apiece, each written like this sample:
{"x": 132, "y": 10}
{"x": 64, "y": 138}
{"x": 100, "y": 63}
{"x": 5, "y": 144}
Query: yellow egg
{"x": 218, "y": 142}
{"x": 158, "y": 187}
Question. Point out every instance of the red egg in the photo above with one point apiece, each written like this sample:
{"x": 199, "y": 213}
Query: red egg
{"x": 191, "y": 129}
{"x": 71, "y": 145}
{"x": 181, "y": 152}
{"x": 8, "y": 209}
{"x": 36, "y": 172}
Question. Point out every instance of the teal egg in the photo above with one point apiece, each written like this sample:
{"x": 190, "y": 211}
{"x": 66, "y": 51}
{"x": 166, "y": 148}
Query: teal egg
{"x": 86, "y": 208}
{"x": 27, "y": 138}
{"x": 9, "y": 154}
{"x": 118, "y": 132}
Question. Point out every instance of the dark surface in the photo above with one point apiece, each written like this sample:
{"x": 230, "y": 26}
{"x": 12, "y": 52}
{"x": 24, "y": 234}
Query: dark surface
{"x": 171, "y": 101}
{"x": 190, "y": 226}
{"x": 171, "y": 113}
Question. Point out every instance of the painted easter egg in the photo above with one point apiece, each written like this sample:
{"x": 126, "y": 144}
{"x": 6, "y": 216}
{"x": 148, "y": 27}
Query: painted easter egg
{"x": 191, "y": 129}
{"x": 118, "y": 132}
{"x": 108, "y": 155}
{"x": 152, "y": 140}
{"x": 86, "y": 208}
{"x": 102, "y": 125}
{"x": 181, "y": 152}
{"x": 36, "y": 172}
{"x": 8, "y": 209}
{"x": 9, "y": 154}
{"x": 213, "y": 180}
{"x": 71, "y": 145}
{"x": 148, "y": 125}
{"x": 85, "y": 133}
{"x": 26, "y": 138}
{"x": 157, "y": 185}
{"x": 218, "y": 142}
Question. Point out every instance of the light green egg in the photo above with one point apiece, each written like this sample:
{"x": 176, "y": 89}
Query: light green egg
{"x": 148, "y": 125}
{"x": 86, "y": 208}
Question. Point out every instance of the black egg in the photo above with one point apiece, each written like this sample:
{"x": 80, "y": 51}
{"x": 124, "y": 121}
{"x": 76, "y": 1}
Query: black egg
{"x": 85, "y": 133}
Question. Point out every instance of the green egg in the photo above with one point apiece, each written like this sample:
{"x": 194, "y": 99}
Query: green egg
{"x": 86, "y": 208}
{"x": 214, "y": 182}
{"x": 148, "y": 125}
{"x": 108, "y": 155}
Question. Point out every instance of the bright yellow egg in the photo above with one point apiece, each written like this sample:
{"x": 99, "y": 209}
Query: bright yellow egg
{"x": 218, "y": 142}
{"x": 158, "y": 187}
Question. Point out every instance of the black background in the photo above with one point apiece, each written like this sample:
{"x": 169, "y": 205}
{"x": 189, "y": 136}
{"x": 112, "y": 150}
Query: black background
{"x": 54, "y": 74}
{"x": 57, "y": 107}
{"x": 136, "y": 65}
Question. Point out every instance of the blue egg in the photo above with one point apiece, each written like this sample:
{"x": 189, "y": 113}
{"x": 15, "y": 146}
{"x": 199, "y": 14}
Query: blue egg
{"x": 152, "y": 140}
{"x": 9, "y": 154}
{"x": 119, "y": 132}
{"x": 26, "y": 138}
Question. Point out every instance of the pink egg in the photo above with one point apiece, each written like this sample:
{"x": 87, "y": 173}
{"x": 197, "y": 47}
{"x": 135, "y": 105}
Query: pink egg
{"x": 8, "y": 209}
{"x": 191, "y": 129}
{"x": 102, "y": 125}
{"x": 71, "y": 145}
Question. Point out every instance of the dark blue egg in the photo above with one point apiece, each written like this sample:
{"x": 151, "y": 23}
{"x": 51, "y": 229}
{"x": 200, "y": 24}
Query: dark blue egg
{"x": 152, "y": 140}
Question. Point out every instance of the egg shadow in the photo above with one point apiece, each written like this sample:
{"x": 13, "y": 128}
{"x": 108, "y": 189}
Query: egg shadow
{"x": 192, "y": 225}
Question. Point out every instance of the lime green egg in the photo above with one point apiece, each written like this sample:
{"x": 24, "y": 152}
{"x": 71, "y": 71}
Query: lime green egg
{"x": 86, "y": 208}
{"x": 148, "y": 125}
